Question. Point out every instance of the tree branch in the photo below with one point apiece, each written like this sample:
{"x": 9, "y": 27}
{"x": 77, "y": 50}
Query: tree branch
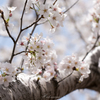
{"x": 20, "y": 53}
{"x": 23, "y": 14}
{"x": 6, "y": 25}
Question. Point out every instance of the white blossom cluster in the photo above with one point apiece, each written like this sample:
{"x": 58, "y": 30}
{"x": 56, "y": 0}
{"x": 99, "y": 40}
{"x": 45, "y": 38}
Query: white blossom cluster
{"x": 7, "y": 73}
{"x": 72, "y": 63}
{"x": 52, "y": 13}
{"x": 40, "y": 57}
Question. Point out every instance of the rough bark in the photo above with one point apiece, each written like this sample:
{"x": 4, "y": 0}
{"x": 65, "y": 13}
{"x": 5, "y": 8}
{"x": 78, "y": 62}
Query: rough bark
{"x": 27, "y": 88}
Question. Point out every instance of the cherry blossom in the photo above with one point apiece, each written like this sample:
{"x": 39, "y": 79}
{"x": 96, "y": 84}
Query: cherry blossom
{"x": 7, "y": 73}
{"x": 44, "y": 10}
{"x": 11, "y": 8}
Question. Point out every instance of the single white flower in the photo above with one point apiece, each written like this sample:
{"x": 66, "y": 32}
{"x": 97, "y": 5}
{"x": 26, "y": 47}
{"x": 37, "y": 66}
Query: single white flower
{"x": 38, "y": 47}
{"x": 44, "y": 10}
{"x": 6, "y": 80}
{"x": 54, "y": 18}
{"x": 76, "y": 62}
{"x": 40, "y": 58}
{"x": 69, "y": 60}
{"x": 11, "y": 8}
{"x": 53, "y": 56}
{"x": 8, "y": 68}
{"x": 84, "y": 69}
{"x": 48, "y": 44}
{"x": 47, "y": 75}
{"x": 83, "y": 76}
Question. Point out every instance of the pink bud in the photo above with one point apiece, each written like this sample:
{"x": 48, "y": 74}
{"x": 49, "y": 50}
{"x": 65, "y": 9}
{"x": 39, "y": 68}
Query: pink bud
{"x": 21, "y": 43}
{"x": 10, "y": 15}
{"x": 55, "y": 63}
{"x": 55, "y": 9}
{"x": 40, "y": 72}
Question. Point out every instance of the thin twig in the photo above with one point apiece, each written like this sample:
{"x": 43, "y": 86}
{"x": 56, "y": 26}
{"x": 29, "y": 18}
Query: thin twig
{"x": 35, "y": 11}
{"x": 21, "y": 22}
{"x": 12, "y": 55}
{"x": 43, "y": 22}
{"x": 71, "y": 6}
{"x": 44, "y": 2}
{"x": 6, "y": 25}
{"x": 23, "y": 14}
{"x": 54, "y": 2}
{"x": 32, "y": 24}
{"x": 65, "y": 78}
{"x": 20, "y": 52}
{"x": 91, "y": 48}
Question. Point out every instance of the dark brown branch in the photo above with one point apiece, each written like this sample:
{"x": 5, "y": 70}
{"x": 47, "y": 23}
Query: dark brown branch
{"x": 21, "y": 20}
{"x": 23, "y": 14}
{"x": 70, "y": 7}
{"x": 20, "y": 53}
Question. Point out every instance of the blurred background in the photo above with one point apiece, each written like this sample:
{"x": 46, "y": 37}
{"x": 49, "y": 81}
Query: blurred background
{"x": 73, "y": 37}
